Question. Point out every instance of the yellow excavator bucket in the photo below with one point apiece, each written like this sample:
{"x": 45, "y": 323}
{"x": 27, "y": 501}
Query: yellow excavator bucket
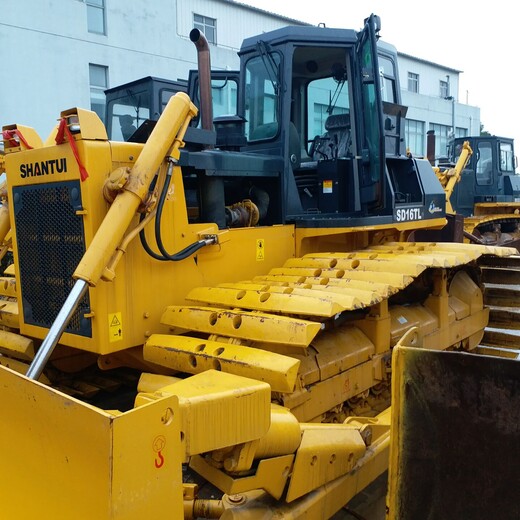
{"x": 455, "y": 436}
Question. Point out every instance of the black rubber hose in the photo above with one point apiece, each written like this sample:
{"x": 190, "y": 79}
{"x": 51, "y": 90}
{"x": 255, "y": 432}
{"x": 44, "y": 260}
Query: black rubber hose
{"x": 165, "y": 256}
{"x": 181, "y": 255}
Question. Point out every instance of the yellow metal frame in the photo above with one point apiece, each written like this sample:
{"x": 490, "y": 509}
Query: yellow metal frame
{"x": 86, "y": 463}
{"x": 139, "y": 302}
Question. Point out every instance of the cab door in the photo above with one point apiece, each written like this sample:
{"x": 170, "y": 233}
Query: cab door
{"x": 372, "y": 140}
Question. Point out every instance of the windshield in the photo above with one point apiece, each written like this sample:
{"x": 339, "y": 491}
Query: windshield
{"x": 223, "y": 96}
{"x": 484, "y": 169}
{"x": 261, "y": 114}
{"x": 325, "y": 97}
{"x": 127, "y": 113}
{"x": 507, "y": 160}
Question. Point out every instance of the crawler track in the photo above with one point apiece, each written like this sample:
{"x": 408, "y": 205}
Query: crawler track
{"x": 320, "y": 328}
{"x": 501, "y": 279}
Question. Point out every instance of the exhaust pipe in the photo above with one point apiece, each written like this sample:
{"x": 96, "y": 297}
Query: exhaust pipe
{"x": 430, "y": 146}
{"x": 212, "y": 197}
{"x": 204, "y": 65}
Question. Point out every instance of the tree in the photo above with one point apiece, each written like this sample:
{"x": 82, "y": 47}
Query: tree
{"x": 484, "y": 132}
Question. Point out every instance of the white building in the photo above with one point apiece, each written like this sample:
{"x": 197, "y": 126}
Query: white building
{"x": 59, "y": 54}
{"x": 430, "y": 91}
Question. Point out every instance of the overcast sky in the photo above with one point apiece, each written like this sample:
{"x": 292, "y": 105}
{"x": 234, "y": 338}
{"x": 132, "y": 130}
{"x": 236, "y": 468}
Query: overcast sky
{"x": 481, "y": 41}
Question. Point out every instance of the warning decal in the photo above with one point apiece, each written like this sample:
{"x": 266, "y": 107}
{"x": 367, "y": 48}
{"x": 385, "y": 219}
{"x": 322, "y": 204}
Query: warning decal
{"x": 327, "y": 186}
{"x": 115, "y": 327}
{"x": 260, "y": 250}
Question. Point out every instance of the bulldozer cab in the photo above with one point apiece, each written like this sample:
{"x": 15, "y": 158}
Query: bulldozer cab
{"x": 308, "y": 98}
{"x": 490, "y": 174}
{"x": 313, "y": 122}
{"x": 319, "y": 129}
{"x": 131, "y": 105}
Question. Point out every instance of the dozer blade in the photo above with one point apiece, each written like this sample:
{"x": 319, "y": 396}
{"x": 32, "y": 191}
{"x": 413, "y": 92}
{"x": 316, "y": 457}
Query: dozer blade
{"x": 62, "y": 458}
{"x": 455, "y": 436}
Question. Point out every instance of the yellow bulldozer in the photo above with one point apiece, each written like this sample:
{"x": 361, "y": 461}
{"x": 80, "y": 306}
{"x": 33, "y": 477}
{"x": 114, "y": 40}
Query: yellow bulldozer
{"x": 201, "y": 325}
{"x": 481, "y": 184}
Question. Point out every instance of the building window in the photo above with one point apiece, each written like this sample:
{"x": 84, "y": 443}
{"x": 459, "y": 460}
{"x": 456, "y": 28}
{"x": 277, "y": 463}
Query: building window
{"x": 461, "y": 132}
{"x": 96, "y": 16}
{"x": 414, "y": 135}
{"x": 207, "y": 26}
{"x": 441, "y": 139}
{"x": 444, "y": 89}
{"x": 413, "y": 82}
{"x": 98, "y": 75}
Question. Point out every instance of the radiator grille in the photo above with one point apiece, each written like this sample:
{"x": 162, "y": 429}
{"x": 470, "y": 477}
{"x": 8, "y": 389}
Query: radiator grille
{"x": 50, "y": 239}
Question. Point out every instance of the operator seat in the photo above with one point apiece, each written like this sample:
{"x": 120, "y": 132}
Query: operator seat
{"x": 127, "y": 127}
{"x": 336, "y": 141}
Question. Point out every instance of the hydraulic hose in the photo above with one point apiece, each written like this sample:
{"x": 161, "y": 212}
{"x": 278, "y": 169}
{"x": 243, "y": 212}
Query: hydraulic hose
{"x": 182, "y": 254}
{"x": 165, "y": 256}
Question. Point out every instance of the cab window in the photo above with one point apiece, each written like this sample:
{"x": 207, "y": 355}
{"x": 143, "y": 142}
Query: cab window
{"x": 325, "y": 97}
{"x": 127, "y": 113}
{"x": 387, "y": 75}
{"x": 484, "y": 168}
{"x": 507, "y": 160}
{"x": 261, "y": 113}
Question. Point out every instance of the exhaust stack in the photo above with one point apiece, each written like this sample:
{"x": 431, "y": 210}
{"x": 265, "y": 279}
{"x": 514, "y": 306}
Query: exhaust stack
{"x": 204, "y": 66}
{"x": 212, "y": 197}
